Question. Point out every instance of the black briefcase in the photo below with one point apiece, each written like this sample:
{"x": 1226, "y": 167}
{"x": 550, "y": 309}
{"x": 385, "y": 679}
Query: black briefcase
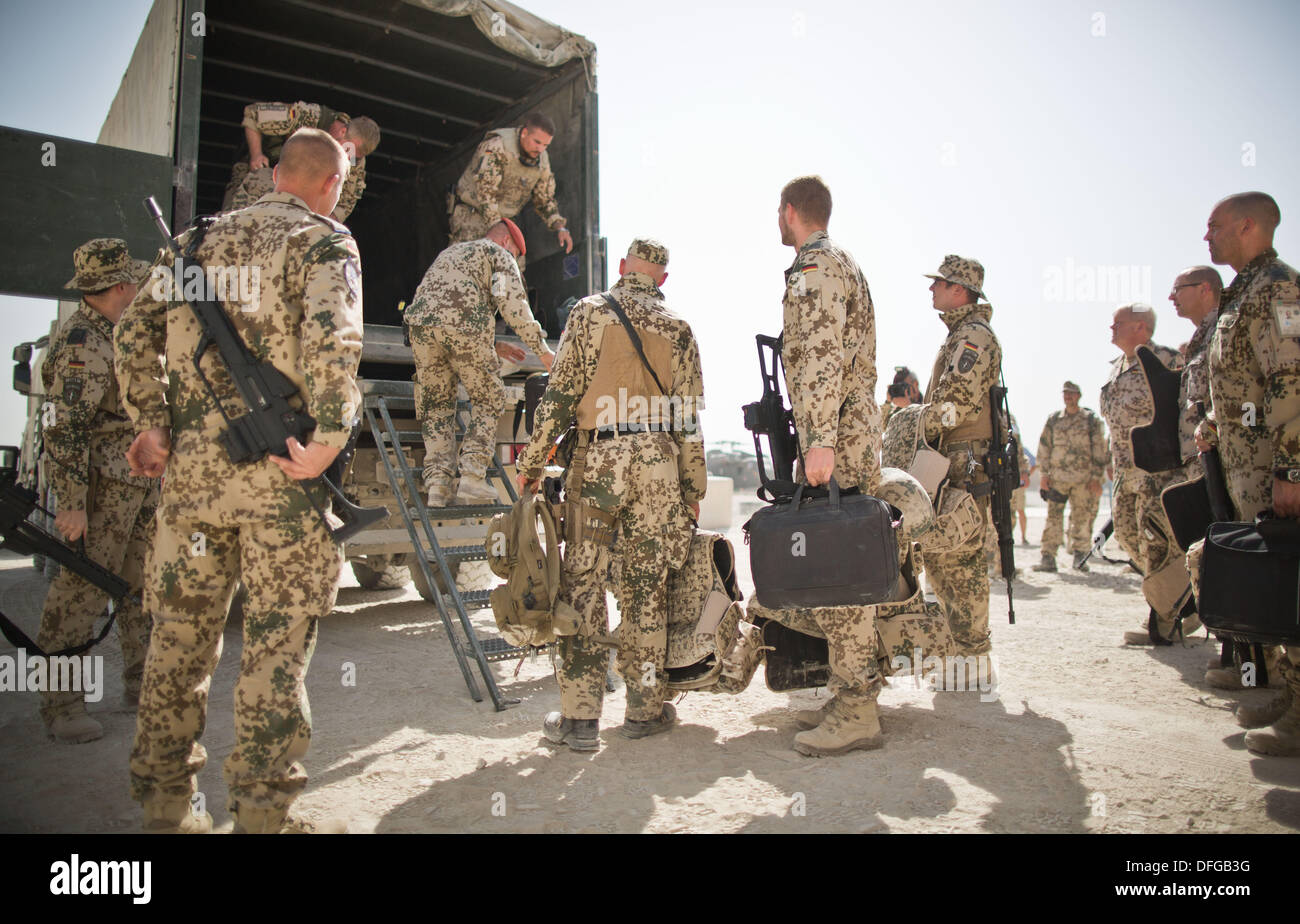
{"x": 794, "y": 661}
{"x": 1250, "y": 581}
{"x": 824, "y": 547}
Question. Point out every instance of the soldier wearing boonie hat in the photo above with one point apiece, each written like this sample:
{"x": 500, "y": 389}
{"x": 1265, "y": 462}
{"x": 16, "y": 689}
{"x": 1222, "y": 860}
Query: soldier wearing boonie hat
{"x": 960, "y": 423}
{"x": 104, "y": 262}
{"x": 86, "y": 434}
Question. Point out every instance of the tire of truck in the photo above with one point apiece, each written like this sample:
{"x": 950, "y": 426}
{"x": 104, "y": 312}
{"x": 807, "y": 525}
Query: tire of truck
{"x": 381, "y": 572}
{"x": 417, "y": 576}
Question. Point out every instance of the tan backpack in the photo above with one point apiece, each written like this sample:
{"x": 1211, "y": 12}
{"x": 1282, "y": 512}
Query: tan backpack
{"x": 527, "y": 609}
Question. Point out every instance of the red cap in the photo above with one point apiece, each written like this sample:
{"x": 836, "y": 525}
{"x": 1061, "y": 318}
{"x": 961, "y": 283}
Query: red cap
{"x": 516, "y": 234}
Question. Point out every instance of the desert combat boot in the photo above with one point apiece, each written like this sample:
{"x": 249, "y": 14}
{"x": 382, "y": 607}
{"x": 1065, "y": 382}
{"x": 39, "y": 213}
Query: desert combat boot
{"x": 810, "y": 718}
{"x": 1282, "y": 738}
{"x": 173, "y": 816}
{"x": 844, "y": 729}
{"x": 279, "y": 821}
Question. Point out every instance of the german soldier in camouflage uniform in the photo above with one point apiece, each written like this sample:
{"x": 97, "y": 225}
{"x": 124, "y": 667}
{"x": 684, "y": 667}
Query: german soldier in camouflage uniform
{"x": 217, "y": 521}
{"x": 267, "y": 126}
{"x": 829, "y": 353}
{"x": 636, "y": 481}
{"x": 1254, "y": 373}
{"x": 451, "y": 321}
{"x": 960, "y": 424}
{"x": 1141, "y": 526}
{"x": 1072, "y": 456}
{"x": 1195, "y": 293}
{"x": 509, "y": 169}
{"x": 86, "y": 437}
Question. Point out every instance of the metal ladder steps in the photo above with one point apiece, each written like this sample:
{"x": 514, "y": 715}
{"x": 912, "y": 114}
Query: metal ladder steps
{"x": 460, "y": 553}
{"x": 467, "y": 512}
{"x": 498, "y": 649}
{"x": 476, "y": 599}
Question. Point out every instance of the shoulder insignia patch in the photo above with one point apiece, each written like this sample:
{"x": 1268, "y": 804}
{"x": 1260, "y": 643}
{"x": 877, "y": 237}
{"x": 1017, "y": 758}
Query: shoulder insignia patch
{"x": 1287, "y": 316}
{"x": 72, "y": 390}
{"x": 77, "y": 335}
{"x": 969, "y": 354}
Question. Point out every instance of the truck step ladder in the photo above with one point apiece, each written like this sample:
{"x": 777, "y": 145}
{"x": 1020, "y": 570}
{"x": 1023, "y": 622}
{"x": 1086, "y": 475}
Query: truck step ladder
{"x": 434, "y": 559}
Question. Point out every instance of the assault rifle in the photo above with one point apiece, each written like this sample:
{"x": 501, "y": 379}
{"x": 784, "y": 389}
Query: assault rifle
{"x": 23, "y": 537}
{"x": 1003, "y": 468}
{"x": 769, "y": 417}
{"x": 270, "y": 420}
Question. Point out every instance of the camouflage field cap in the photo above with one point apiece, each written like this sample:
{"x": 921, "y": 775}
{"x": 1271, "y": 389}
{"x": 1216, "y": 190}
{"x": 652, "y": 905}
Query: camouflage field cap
{"x": 103, "y": 262}
{"x": 963, "y": 272}
{"x": 1070, "y": 386}
{"x": 649, "y": 250}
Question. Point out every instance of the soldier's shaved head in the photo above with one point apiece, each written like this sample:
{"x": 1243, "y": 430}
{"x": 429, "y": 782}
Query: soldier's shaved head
{"x": 1257, "y": 206}
{"x": 312, "y": 167}
{"x": 311, "y": 154}
{"x": 1195, "y": 275}
{"x": 1241, "y": 228}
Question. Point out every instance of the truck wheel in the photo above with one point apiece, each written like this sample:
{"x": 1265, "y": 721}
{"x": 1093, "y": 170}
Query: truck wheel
{"x": 380, "y": 572}
{"x": 418, "y": 577}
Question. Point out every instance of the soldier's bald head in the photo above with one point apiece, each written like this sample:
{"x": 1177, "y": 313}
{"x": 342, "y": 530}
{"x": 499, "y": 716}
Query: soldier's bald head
{"x": 1258, "y": 206}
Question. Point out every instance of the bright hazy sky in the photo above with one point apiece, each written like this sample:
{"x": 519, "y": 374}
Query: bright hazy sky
{"x": 1074, "y": 148}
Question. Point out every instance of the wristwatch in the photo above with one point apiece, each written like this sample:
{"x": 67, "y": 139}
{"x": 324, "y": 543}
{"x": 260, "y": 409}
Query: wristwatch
{"x": 1287, "y": 474}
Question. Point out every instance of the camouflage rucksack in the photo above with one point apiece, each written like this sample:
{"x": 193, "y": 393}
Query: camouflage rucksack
{"x": 526, "y": 606}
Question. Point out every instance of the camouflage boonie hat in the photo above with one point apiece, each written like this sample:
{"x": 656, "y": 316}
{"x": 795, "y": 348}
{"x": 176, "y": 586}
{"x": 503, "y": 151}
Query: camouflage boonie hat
{"x": 963, "y": 272}
{"x": 103, "y": 262}
{"x": 649, "y": 250}
{"x": 1070, "y": 386}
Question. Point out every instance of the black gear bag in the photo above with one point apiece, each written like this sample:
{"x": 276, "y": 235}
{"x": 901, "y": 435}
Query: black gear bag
{"x": 824, "y": 548}
{"x": 1250, "y": 581}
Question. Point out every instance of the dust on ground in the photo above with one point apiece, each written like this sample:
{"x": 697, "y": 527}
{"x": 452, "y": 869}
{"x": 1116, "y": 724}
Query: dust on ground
{"x": 1087, "y": 735}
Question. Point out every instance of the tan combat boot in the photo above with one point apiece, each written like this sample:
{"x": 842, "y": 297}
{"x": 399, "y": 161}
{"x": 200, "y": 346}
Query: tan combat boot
{"x": 438, "y": 494}
{"x": 476, "y": 491}
{"x": 173, "y": 816}
{"x": 1282, "y": 738}
{"x": 811, "y": 718}
{"x": 279, "y": 821}
{"x": 1249, "y": 716}
{"x": 842, "y": 730}
{"x": 75, "y": 729}
{"x": 1229, "y": 678}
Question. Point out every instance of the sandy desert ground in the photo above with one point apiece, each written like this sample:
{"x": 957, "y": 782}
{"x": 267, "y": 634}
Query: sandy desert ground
{"x": 1087, "y": 735}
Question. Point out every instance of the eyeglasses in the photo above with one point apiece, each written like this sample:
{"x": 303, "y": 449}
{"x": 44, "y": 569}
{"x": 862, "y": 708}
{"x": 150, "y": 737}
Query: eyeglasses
{"x": 1185, "y": 285}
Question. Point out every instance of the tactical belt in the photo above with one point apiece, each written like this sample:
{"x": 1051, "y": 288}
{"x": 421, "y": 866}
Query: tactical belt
{"x": 604, "y": 433}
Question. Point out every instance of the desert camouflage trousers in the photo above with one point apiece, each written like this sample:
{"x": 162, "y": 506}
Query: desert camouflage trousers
{"x": 467, "y": 224}
{"x": 119, "y": 535}
{"x": 442, "y": 358}
{"x": 850, "y": 633}
{"x": 634, "y": 477}
{"x": 1083, "y": 513}
{"x": 246, "y": 187}
{"x": 290, "y": 566}
{"x": 1144, "y": 533}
